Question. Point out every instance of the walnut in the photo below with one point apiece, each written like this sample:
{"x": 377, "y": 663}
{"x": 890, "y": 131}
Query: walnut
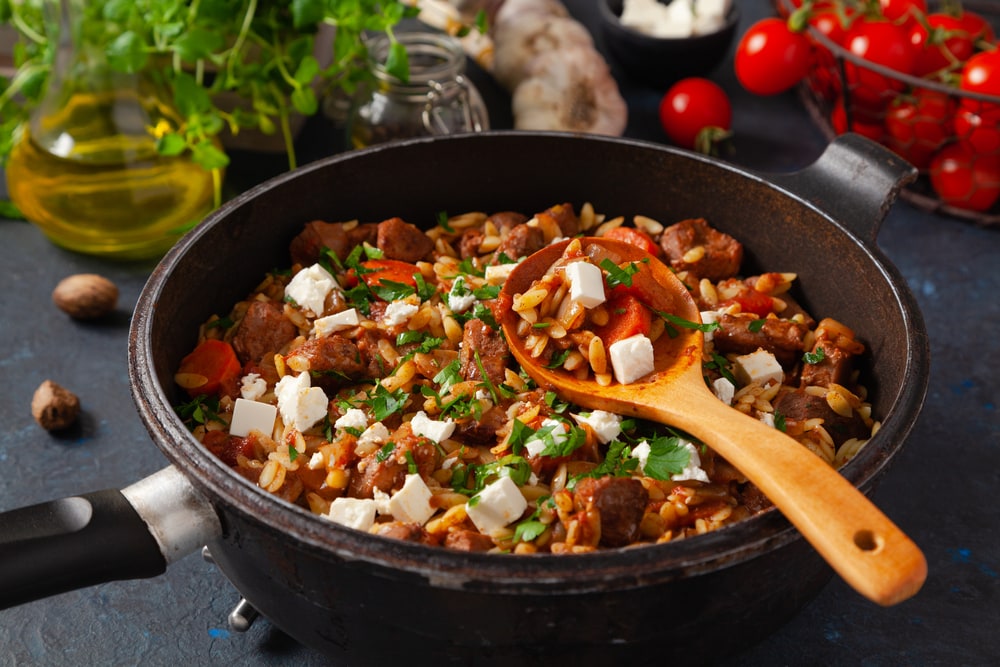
{"x": 85, "y": 296}
{"x": 54, "y": 407}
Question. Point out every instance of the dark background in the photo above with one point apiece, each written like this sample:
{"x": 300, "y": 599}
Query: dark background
{"x": 941, "y": 489}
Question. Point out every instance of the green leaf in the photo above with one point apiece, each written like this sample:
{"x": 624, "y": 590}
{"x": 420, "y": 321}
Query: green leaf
{"x": 190, "y": 98}
{"x": 528, "y": 530}
{"x": 208, "y": 156}
{"x": 308, "y": 70}
{"x": 667, "y": 457}
{"x": 306, "y": 13}
{"x": 171, "y": 144}
{"x": 397, "y": 63}
{"x": 127, "y": 53}
{"x": 617, "y": 275}
{"x": 304, "y": 101}
{"x": 198, "y": 44}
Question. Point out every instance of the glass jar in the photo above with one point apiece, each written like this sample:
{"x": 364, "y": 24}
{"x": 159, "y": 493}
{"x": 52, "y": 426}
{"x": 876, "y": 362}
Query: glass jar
{"x": 86, "y": 169}
{"x": 437, "y": 98}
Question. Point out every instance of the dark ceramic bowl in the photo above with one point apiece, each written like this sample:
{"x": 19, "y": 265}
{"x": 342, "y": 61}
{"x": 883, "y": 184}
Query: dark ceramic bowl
{"x": 658, "y": 61}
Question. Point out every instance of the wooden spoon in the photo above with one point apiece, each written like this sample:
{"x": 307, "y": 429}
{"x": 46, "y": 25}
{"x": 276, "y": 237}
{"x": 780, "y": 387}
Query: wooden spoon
{"x": 870, "y": 552}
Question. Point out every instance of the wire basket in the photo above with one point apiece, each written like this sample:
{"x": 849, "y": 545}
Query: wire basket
{"x": 834, "y": 105}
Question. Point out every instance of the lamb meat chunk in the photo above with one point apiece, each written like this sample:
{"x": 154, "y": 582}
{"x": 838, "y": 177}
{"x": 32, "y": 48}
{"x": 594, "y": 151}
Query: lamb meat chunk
{"x": 263, "y": 330}
{"x": 333, "y": 361}
{"x": 836, "y": 366}
{"x": 797, "y": 406}
{"x": 782, "y": 338}
{"x": 506, "y": 220}
{"x": 493, "y": 353}
{"x": 721, "y": 259}
{"x": 468, "y": 244}
{"x": 408, "y": 532}
{"x": 565, "y": 217}
{"x": 398, "y": 239}
{"x": 521, "y": 241}
{"x": 389, "y": 473}
{"x": 483, "y": 431}
{"x": 339, "y": 237}
{"x": 468, "y": 540}
{"x": 621, "y": 502}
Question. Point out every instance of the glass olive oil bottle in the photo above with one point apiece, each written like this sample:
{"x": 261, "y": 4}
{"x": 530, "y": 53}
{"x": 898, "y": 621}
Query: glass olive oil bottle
{"x": 86, "y": 170}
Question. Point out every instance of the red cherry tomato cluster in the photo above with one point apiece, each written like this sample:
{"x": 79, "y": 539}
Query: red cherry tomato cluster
{"x": 952, "y": 137}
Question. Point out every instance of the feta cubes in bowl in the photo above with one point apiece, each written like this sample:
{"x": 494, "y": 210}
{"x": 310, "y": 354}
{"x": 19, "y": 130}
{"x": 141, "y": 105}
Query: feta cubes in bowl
{"x": 657, "y": 43}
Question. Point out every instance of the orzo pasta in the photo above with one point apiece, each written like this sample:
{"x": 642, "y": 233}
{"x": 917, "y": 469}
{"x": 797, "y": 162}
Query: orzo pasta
{"x": 370, "y": 384}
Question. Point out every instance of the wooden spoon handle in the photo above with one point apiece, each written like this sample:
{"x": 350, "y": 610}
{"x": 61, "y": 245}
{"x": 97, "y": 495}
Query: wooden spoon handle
{"x": 861, "y": 544}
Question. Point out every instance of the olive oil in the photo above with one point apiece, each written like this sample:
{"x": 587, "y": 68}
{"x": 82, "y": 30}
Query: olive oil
{"x": 89, "y": 175}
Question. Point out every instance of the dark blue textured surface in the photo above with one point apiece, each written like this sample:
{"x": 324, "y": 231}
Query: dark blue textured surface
{"x": 941, "y": 490}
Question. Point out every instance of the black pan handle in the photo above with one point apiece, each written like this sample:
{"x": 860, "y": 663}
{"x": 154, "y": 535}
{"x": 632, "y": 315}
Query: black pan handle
{"x": 855, "y": 181}
{"x": 72, "y": 543}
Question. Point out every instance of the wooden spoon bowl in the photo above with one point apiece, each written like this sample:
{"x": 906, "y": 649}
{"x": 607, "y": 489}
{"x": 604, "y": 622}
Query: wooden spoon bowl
{"x": 861, "y": 544}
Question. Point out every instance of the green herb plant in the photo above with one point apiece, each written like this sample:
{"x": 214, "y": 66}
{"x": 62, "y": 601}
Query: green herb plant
{"x": 260, "y": 51}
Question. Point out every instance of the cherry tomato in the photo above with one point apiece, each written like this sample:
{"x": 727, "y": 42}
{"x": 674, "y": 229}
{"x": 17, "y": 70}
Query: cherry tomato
{"x": 862, "y": 126}
{"x": 945, "y": 46}
{"x": 633, "y": 236}
{"x": 977, "y": 26}
{"x": 882, "y": 43}
{"x": 770, "y": 58}
{"x": 979, "y": 131}
{"x": 897, "y": 9}
{"x": 752, "y": 301}
{"x": 831, "y": 22}
{"x": 977, "y": 121}
{"x": 696, "y": 113}
{"x": 918, "y": 124}
{"x": 981, "y": 73}
{"x": 966, "y": 180}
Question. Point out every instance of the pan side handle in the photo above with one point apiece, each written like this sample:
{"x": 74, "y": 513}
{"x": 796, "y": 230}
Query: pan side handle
{"x": 855, "y": 181}
{"x": 109, "y": 535}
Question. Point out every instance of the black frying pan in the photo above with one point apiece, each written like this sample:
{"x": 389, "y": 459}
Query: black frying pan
{"x": 369, "y": 600}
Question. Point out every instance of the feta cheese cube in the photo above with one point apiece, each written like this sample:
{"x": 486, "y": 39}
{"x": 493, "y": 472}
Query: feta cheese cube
{"x": 431, "y": 428}
{"x": 586, "y": 284}
{"x": 356, "y": 513}
{"x": 632, "y": 358}
{"x": 496, "y": 506}
{"x": 724, "y": 390}
{"x": 252, "y": 386}
{"x": 310, "y": 287}
{"x": 495, "y": 274}
{"x": 460, "y": 297}
{"x": 642, "y": 452}
{"x": 373, "y": 436}
{"x": 693, "y": 470}
{"x": 412, "y": 503}
{"x": 606, "y": 425}
{"x": 353, "y": 418}
{"x": 760, "y": 367}
{"x": 252, "y": 416}
{"x": 709, "y": 317}
{"x": 300, "y": 405}
{"x": 552, "y": 430}
{"x": 330, "y": 324}
{"x": 767, "y": 418}
{"x": 399, "y": 312}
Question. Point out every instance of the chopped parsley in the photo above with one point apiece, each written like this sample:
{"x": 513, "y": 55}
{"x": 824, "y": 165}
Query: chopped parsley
{"x": 756, "y": 325}
{"x": 779, "y": 421}
{"x": 814, "y": 357}
{"x": 721, "y": 364}
{"x": 442, "y": 222}
{"x": 292, "y": 454}
{"x": 199, "y": 410}
{"x": 618, "y": 462}
{"x": 383, "y": 402}
{"x": 385, "y": 452}
{"x": 666, "y": 457}
{"x": 558, "y": 360}
{"x": 673, "y": 321}
{"x": 390, "y": 290}
{"x": 471, "y": 479}
{"x": 617, "y": 275}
